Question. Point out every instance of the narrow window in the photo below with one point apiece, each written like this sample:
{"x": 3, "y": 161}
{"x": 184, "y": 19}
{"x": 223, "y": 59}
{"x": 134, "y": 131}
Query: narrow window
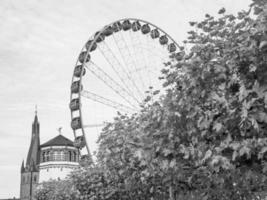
{"x": 44, "y": 156}
{"x": 74, "y": 156}
{"x": 62, "y": 156}
{"x": 34, "y": 179}
{"x": 57, "y": 156}
{"x": 66, "y": 156}
{"x": 54, "y": 155}
{"x": 70, "y": 156}
{"x": 48, "y": 155}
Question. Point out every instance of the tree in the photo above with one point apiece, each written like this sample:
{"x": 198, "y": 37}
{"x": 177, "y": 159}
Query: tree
{"x": 57, "y": 190}
{"x": 207, "y": 137}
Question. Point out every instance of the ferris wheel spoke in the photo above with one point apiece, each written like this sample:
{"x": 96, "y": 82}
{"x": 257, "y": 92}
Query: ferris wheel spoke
{"x": 127, "y": 58}
{"x": 111, "y": 83}
{"x": 144, "y": 54}
{"x": 148, "y": 62}
{"x": 149, "y": 68}
{"x": 114, "y": 63}
{"x": 134, "y": 41}
{"x": 161, "y": 50}
{"x": 159, "y": 59}
{"x": 106, "y": 101}
{"x": 94, "y": 125}
{"x": 147, "y": 48}
{"x": 153, "y": 67}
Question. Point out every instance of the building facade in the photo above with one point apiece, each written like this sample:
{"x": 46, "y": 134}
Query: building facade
{"x": 54, "y": 159}
{"x": 58, "y": 157}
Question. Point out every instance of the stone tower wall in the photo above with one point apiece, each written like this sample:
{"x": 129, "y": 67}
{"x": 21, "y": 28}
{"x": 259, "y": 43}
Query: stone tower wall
{"x": 28, "y": 185}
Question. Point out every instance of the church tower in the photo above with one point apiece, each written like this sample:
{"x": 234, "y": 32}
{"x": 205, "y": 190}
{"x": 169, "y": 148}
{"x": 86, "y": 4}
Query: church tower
{"x": 30, "y": 170}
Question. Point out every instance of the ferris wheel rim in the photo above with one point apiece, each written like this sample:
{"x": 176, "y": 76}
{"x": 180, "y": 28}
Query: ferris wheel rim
{"x": 88, "y": 50}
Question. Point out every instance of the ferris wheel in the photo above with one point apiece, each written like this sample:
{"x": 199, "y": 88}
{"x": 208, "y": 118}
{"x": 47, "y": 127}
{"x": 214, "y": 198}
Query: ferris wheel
{"x": 115, "y": 70}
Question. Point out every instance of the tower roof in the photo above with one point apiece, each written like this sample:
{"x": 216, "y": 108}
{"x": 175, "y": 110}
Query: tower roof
{"x": 35, "y": 117}
{"x": 22, "y": 169}
{"x": 36, "y": 120}
{"x": 59, "y": 140}
{"x": 33, "y": 153}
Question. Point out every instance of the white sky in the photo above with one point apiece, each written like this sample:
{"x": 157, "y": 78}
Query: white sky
{"x": 39, "y": 44}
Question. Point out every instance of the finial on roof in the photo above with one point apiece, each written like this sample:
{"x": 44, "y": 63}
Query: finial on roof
{"x": 59, "y": 130}
{"x": 35, "y": 118}
{"x": 35, "y": 109}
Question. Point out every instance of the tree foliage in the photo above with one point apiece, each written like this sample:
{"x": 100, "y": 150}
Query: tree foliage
{"x": 206, "y": 137}
{"x": 57, "y": 190}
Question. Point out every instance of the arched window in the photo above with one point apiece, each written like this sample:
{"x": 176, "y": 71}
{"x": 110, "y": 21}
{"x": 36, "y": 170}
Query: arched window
{"x": 56, "y": 155}
{"x": 48, "y": 157}
{"x": 66, "y": 156}
{"x": 74, "y": 156}
{"x": 43, "y": 156}
{"x": 62, "y": 155}
{"x": 70, "y": 156}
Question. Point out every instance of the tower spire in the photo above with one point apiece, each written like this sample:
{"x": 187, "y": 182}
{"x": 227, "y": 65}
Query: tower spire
{"x": 35, "y": 117}
{"x": 22, "y": 169}
{"x": 33, "y": 153}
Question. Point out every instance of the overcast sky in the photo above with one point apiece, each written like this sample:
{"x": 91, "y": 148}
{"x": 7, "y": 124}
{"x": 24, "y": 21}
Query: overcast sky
{"x": 39, "y": 44}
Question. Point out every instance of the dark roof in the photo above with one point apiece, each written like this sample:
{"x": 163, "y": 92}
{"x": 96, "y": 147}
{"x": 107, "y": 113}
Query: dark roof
{"x": 33, "y": 157}
{"x": 59, "y": 140}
